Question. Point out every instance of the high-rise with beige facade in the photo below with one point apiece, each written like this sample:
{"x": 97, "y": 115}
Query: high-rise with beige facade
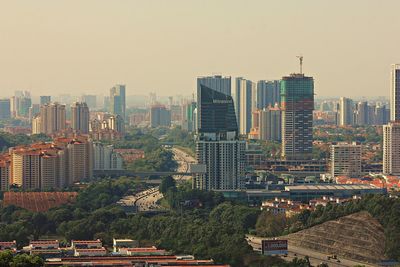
{"x": 80, "y": 117}
{"x": 391, "y": 148}
{"x": 52, "y": 118}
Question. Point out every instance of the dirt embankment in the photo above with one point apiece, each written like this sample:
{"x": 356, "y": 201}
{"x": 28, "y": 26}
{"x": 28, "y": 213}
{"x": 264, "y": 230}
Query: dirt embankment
{"x": 358, "y": 236}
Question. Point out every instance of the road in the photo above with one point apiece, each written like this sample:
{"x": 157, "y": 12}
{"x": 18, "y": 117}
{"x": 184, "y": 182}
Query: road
{"x": 315, "y": 257}
{"x": 143, "y": 201}
{"x": 146, "y": 201}
{"x": 183, "y": 159}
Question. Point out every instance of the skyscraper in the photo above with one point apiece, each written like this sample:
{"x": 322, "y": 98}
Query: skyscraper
{"x": 236, "y": 98}
{"x": 216, "y": 82}
{"x": 270, "y": 124}
{"x": 80, "y": 117}
{"x": 217, "y": 143}
{"x": 52, "y": 118}
{"x": 297, "y": 102}
{"x": 391, "y": 148}
{"x": 160, "y": 116}
{"x": 118, "y": 100}
{"x": 268, "y": 93}
{"x": 362, "y": 113}
{"x": 246, "y": 105}
{"x": 45, "y": 99}
{"x": 5, "y": 108}
{"x": 346, "y": 111}
{"x": 395, "y": 93}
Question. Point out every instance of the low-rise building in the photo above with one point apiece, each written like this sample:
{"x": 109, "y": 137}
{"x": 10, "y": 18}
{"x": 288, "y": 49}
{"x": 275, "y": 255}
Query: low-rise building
{"x": 124, "y": 243}
{"x": 143, "y": 251}
{"x": 8, "y": 245}
{"x": 86, "y": 244}
{"x": 90, "y": 252}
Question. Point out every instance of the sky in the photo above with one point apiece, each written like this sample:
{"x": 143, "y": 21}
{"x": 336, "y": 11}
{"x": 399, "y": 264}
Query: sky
{"x": 74, "y": 46}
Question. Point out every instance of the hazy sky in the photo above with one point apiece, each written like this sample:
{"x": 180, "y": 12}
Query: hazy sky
{"x": 76, "y": 46}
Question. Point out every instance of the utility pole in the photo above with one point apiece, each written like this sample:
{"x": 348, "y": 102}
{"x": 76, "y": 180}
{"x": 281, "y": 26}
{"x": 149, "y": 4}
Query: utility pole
{"x": 301, "y": 63}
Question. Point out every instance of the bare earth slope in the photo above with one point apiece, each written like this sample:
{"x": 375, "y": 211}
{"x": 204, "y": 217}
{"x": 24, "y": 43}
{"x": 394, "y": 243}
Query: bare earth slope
{"x": 358, "y": 236}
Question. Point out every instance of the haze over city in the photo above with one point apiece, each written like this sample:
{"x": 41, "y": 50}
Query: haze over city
{"x": 53, "y": 47}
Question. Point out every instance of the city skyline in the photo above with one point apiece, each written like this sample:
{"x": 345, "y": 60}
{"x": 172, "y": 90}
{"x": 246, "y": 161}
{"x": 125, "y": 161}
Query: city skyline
{"x": 50, "y": 51}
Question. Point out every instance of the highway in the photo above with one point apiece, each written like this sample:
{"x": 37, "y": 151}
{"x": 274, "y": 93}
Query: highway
{"x": 183, "y": 159}
{"x": 315, "y": 257}
{"x": 146, "y": 201}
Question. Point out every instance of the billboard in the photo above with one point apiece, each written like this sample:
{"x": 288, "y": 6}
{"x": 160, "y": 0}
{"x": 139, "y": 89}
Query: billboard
{"x": 274, "y": 247}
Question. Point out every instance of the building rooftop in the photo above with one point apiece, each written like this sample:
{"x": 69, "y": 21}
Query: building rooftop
{"x": 329, "y": 187}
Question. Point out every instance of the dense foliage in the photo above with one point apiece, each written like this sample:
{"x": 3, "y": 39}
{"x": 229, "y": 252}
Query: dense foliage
{"x": 386, "y": 210}
{"x": 8, "y": 140}
{"x": 214, "y": 229}
{"x": 20, "y": 260}
{"x": 159, "y": 159}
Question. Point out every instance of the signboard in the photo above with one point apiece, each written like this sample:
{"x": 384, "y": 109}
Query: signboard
{"x": 274, "y": 247}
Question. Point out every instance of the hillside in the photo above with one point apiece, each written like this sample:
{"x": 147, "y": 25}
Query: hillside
{"x": 358, "y": 236}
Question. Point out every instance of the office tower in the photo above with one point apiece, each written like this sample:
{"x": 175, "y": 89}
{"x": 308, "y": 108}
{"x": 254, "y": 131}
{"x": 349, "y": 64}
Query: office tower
{"x": 217, "y": 145}
{"x": 346, "y": 160}
{"x": 217, "y": 82}
{"x": 379, "y": 115}
{"x": 188, "y": 116}
{"x": 160, "y": 116}
{"x": 105, "y": 158}
{"x": 52, "y": 118}
{"x": 246, "y": 105}
{"x": 117, "y": 100}
{"x": 297, "y": 103}
{"x": 346, "y": 111}
{"x": 371, "y": 114}
{"x": 5, "y": 109}
{"x": 90, "y": 100}
{"x": 236, "y": 98}
{"x": 268, "y": 93}
{"x": 80, "y": 117}
{"x": 5, "y": 172}
{"x": 391, "y": 148}
{"x": 362, "y": 113}
{"x": 23, "y": 107}
{"x": 395, "y": 93}
{"x": 45, "y": 99}
{"x": 270, "y": 123}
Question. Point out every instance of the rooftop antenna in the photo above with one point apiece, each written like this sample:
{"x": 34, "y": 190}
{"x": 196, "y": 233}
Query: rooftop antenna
{"x": 301, "y": 63}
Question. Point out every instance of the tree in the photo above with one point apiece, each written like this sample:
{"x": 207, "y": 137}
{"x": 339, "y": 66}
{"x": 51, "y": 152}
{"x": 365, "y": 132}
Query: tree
{"x": 167, "y": 182}
{"x": 270, "y": 225}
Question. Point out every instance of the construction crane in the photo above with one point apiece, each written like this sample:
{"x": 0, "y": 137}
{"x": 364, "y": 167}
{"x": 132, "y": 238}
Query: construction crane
{"x": 301, "y": 63}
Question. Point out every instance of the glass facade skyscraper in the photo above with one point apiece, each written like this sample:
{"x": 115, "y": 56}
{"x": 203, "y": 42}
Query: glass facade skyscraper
{"x": 217, "y": 145}
{"x": 297, "y": 103}
{"x": 217, "y": 82}
{"x": 118, "y": 100}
